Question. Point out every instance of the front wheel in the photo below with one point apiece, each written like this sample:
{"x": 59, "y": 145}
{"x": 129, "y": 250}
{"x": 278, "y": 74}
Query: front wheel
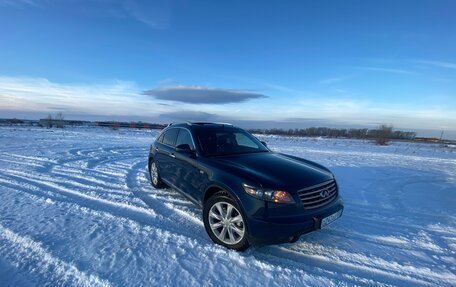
{"x": 224, "y": 222}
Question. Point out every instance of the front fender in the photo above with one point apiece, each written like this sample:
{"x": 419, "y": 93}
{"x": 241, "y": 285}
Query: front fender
{"x": 250, "y": 206}
{"x": 231, "y": 189}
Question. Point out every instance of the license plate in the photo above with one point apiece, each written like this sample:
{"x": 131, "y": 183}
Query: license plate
{"x": 330, "y": 219}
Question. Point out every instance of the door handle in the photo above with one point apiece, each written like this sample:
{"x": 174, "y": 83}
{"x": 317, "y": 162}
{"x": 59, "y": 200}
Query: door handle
{"x": 156, "y": 149}
{"x": 172, "y": 155}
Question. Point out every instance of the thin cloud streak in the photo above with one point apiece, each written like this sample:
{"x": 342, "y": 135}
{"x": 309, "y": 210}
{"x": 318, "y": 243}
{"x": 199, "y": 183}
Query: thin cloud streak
{"x": 388, "y": 70}
{"x": 446, "y": 65}
{"x": 154, "y": 14}
{"x": 336, "y": 79}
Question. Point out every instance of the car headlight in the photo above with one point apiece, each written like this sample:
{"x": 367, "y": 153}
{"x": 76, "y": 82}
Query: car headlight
{"x": 278, "y": 196}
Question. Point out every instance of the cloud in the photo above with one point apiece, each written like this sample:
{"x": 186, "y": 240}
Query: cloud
{"x": 446, "y": 65}
{"x": 387, "y": 70}
{"x": 154, "y": 14}
{"x": 202, "y": 95}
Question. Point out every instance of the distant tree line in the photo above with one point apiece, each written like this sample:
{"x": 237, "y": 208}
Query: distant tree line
{"x": 133, "y": 125}
{"x": 58, "y": 121}
{"x": 12, "y": 122}
{"x": 382, "y": 132}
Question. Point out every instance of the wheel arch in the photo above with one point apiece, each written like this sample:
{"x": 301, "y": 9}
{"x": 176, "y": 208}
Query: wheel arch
{"x": 217, "y": 187}
{"x": 211, "y": 190}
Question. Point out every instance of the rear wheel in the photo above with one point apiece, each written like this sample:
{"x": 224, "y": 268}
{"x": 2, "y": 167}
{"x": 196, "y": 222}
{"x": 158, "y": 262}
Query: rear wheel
{"x": 294, "y": 239}
{"x": 224, "y": 222}
{"x": 155, "y": 178}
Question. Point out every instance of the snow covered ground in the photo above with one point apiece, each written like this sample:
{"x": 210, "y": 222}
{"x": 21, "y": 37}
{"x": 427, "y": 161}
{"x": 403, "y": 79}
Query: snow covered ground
{"x": 76, "y": 208}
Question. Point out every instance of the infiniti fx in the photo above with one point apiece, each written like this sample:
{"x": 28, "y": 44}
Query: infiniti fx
{"x": 248, "y": 193}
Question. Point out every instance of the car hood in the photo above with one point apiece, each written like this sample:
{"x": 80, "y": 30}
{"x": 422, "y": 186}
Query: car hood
{"x": 275, "y": 170}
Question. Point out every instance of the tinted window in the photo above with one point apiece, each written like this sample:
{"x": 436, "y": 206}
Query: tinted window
{"x": 160, "y": 139}
{"x": 184, "y": 137}
{"x": 243, "y": 140}
{"x": 170, "y": 137}
{"x": 215, "y": 142}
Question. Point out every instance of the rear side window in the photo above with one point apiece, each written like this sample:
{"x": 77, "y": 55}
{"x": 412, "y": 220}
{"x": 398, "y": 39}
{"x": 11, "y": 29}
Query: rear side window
{"x": 170, "y": 137}
{"x": 184, "y": 137}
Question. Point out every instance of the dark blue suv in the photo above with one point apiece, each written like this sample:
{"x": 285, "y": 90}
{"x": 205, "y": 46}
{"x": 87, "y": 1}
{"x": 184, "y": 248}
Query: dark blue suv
{"x": 248, "y": 193}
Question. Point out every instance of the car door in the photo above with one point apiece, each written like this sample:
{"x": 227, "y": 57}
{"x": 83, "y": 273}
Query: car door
{"x": 165, "y": 157}
{"x": 187, "y": 172}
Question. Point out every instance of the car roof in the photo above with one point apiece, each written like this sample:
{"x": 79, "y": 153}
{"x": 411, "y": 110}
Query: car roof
{"x": 200, "y": 125}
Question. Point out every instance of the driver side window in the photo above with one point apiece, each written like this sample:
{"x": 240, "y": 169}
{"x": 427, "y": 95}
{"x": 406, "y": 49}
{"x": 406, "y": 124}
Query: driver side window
{"x": 184, "y": 137}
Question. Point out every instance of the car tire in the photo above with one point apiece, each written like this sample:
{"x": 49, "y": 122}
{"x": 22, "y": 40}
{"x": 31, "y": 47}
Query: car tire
{"x": 154, "y": 175}
{"x": 224, "y": 222}
{"x": 294, "y": 239}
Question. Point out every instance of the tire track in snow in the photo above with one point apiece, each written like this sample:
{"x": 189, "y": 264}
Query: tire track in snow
{"x": 384, "y": 224}
{"x": 77, "y": 184}
{"x": 33, "y": 257}
{"x": 382, "y": 213}
{"x": 340, "y": 266}
{"x": 146, "y": 216}
{"x": 397, "y": 241}
{"x": 87, "y": 200}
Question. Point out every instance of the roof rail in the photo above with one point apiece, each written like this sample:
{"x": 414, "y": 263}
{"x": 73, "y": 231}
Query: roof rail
{"x": 177, "y": 123}
{"x": 225, "y": 124}
{"x": 210, "y": 123}
{"x": 200, "y": 123}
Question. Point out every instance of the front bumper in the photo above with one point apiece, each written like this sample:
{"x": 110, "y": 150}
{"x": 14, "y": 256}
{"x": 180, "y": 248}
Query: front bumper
{"x": 285, "y": 229}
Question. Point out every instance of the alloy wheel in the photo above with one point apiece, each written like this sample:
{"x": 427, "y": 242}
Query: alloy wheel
{"x": 226, "y": 223}
{"x": 154, "y": 173}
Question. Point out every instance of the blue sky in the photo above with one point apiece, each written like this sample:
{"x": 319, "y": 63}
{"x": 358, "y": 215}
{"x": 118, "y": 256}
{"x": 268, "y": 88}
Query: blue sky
{"x": 259, "y": 63}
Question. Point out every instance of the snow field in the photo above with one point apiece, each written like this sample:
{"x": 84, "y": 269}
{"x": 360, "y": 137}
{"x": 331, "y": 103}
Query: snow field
{"x": 77, "y": 209}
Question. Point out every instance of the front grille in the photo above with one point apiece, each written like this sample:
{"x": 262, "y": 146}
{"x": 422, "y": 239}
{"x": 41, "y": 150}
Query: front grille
{"x": 318, "y": 195}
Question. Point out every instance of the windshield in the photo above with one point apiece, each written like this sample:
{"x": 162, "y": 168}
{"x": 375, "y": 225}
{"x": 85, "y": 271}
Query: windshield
{"x": 216, "y": 142}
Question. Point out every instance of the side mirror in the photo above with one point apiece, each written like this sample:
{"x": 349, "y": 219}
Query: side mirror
{"x": 264, "y": 143}
{"x": 185, "y": 149}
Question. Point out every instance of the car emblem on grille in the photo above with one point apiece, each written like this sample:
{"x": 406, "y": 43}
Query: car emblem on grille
{"x": 324, "y": 193}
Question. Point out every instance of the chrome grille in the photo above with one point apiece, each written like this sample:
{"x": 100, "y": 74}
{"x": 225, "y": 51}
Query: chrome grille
{"x": 318, "y": 195}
